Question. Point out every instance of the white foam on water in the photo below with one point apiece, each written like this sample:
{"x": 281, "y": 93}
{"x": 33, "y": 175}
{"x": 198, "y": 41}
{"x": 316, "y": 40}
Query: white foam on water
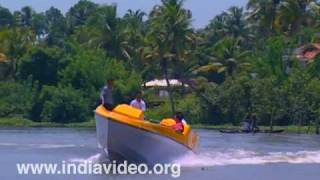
{"x": 52, "y": 146}
{"x": 244, "y": 157}
{"x": 97, "y": 158}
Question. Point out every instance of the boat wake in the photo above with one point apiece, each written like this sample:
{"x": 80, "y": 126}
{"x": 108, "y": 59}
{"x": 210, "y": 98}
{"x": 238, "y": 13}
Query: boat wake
{"x": 243, "y": 157}
{"x": 229, "y": 157}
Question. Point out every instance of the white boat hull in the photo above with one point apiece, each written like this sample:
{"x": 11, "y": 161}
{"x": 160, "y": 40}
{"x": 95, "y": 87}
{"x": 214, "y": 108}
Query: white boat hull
{"x": 125, "y": 142}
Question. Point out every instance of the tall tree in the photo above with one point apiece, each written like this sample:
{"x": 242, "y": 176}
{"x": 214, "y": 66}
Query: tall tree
{"x": 108, "y": 31}
{"x": 292, "y": 14}
{"x": 56, "y": 26}
{"x": 231, "y": 23}
{"x": 171, "y": 34}
{"x": 262, "y": 13}
{"x": 135, "y": 31}
{"x": 228, "y": 56}
{"x": 79, "y": 13}
{"x": 27, "y": 16}
{"x": 6, "y": 18}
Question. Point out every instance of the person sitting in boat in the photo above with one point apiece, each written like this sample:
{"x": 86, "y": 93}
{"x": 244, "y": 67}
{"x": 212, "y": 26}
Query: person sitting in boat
{"x": 138, "y": 102}
{"x": 106, "y": 95}
{"x": 179, "y": 126}
{"x": 253, "y": 123}
{"x": 246, "y": 123}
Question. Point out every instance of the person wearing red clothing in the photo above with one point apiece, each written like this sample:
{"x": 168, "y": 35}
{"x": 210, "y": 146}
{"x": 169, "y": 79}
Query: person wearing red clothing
{"x": 179, "y": 126}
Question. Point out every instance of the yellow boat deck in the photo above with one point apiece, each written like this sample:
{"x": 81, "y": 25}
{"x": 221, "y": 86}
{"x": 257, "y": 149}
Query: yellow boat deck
{"x": 134, "y": 117}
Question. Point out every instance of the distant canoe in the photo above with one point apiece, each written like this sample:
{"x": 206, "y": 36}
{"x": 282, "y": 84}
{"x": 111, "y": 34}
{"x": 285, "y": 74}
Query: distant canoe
{"x": 247, "y": 132}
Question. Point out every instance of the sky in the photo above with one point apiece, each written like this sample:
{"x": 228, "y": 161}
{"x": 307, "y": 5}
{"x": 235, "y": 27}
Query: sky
{"x": 203, "y": 10}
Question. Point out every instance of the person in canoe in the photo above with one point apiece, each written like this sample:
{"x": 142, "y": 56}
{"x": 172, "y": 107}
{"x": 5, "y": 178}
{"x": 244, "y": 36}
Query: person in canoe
{"x": 106, "y": 94}
{"x": 138, "y": 102}
{"x": 253, "y": 123}
{"x": 250, "y": 123}
{"x": 179, "y": 126}
{"x": 246, "y": 124}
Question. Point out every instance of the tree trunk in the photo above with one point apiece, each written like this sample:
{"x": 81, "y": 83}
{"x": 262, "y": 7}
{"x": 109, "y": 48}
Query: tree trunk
{"x": 271, "y": 120}
{"x": 165, "y": 73}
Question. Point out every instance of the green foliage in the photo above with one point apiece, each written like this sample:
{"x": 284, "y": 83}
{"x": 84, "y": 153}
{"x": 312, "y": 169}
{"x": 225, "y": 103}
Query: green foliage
{"x": 15, "y": 42}
{"x": 55, "y": 26}
{"x": 79, "y": 13}
{"x": 63, "y": 104}
{"x": 233, "y": 99}
{"x": 158, "y": 113}
{"x": 6, "y": 18}
{"x": 16, "y": 99}
{"x": 46, "y": 61}
{"x": 192, "y": 108}
{"x": 89, "y": 69}
{"x": 190, "y": 105}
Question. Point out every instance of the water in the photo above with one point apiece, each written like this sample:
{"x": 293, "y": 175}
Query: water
{"x": 219, "y": 157}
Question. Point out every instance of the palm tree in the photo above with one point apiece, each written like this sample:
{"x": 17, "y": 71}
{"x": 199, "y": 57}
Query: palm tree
{"x": 230, "y": 23}
{"x": 56, "y": 26}
{"x": 79, "y": 13}
{"x": 235, "y": 24}
{"x": 106, "y": 30}
{"x": 171, "y": 34}
{"x": 315, "y": 14}
{"x": 134, "y": 33}
{"x": 227, "y": 57}
{"x": 15, "y": 43}
{"x": 292, "y": 14}
{"x": 281, "y": 15}
{"x": 231, "y": 36}
{"x": 216, "y": 29}
{"x": 27, "y": 16}
{"x": 264, "y": 13}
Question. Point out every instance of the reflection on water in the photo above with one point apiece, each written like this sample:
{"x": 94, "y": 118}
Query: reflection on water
{"x": 222, "y": 155}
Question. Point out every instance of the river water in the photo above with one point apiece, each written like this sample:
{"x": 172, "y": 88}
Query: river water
{"x": 219, "y": 157}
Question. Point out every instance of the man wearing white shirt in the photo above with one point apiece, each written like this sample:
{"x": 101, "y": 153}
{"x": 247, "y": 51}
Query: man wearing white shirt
{"x": 138, "y": 102}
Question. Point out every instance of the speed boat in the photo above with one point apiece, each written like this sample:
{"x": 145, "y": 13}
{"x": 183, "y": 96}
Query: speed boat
{"x": 124, "y": 134}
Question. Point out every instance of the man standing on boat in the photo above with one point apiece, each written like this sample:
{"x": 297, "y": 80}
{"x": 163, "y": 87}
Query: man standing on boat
{"x": 138, "y": 102}
{"x": 106, "y": 95}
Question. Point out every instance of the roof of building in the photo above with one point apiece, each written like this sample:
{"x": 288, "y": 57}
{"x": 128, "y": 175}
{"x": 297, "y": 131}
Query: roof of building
{"x": 3, "y": 57}
{"x": 308, "y": 52}
{"x": 163, "y": 83}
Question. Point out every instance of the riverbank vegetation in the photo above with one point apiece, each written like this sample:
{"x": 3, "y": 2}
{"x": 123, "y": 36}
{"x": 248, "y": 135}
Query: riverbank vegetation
{"x": 53, "y": 65}
{"x": 90, "y": 124}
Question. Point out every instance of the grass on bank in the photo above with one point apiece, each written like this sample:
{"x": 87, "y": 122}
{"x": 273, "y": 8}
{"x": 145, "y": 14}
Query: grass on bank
{"x": 21, "y": 122}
